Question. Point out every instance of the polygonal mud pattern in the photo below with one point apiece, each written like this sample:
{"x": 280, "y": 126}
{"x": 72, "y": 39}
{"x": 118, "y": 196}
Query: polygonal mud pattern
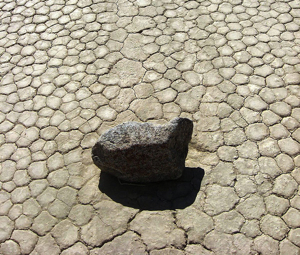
{"x": 69, "y": 70}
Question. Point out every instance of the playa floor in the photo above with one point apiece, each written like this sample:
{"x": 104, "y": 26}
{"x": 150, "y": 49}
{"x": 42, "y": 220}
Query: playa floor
{"x": 70, "y": 70}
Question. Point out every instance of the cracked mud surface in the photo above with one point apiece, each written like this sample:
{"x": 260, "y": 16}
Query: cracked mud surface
{"x": 69, "y": 70}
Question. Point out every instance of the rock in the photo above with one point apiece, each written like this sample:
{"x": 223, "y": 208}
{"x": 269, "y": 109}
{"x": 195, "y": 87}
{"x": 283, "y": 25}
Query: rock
{"x": 143, "y": 152}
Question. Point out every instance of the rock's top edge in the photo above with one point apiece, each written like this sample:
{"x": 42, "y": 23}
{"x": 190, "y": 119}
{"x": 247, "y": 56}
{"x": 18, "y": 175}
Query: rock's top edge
{"x": 134, "y": 133}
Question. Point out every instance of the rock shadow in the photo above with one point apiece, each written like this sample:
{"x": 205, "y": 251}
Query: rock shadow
{"x": 165, "y": 195}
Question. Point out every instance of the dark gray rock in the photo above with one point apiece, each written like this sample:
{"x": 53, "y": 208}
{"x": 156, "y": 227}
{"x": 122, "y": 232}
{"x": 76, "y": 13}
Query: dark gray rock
{"x": 144, "y": 152}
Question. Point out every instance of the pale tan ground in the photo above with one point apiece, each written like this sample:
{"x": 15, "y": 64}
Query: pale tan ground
{"x": 69, "y": 70}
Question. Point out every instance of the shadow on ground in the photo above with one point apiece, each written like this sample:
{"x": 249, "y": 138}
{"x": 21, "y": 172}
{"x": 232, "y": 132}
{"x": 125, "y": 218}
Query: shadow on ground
{"x": 166, "y": 195}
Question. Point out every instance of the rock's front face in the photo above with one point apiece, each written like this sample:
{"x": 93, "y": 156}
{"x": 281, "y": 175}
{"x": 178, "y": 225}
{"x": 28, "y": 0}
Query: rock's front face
{"x": 144, "y": 152}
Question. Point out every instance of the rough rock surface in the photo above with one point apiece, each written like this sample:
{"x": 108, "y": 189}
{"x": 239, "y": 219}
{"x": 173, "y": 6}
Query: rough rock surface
{"x": 144, "y": 152}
